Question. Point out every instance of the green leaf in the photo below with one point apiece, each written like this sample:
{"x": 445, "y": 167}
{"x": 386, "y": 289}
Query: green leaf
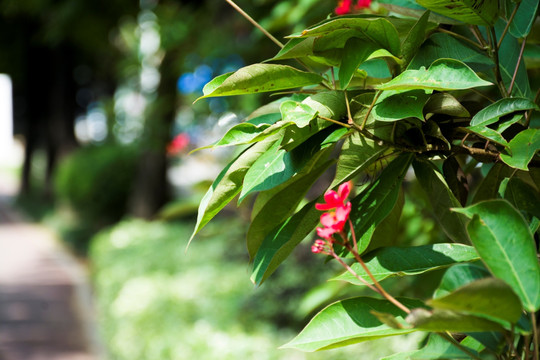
{"x": 356, "y": 155}
{"x": 298, "y": 113}
{"x": 503, "y": 240}
{"x": 489, "y": 297}
{"x": 414, "y": 39}
{"x": 228, "y": 184}
{"x": 444, "y": 103}
{"x": 436, "y": 348}
{"x": 522, "y": 147}
{"x": 456, "y": 179}
{"x": 281, "y": 241}
{"x": 443, "y": 74}
{"x": 283, "y": 201}
{"x": 441, "y": 45}
{"x": 441, "y": 200}
{"x": 349, "y": 322}
{"x": 376, "y": 202}
{"x": 473, "y": 12}
{"x": 511, "y": 49}
{"x": 447, "y": 320}
{"x": 524, "y": 18}
{"x": 396, "y": 261}
{"x": 335, "y": 32}
{"x": 488, "y": 133}
{"x": 386, "y": 233}
{"x": 523, "y": 196}
{"x": 491, "y": 113}
{"x": 489, "y": 187}
{"x": 295, "y": 48}
{"x": 458, "y": 276}
{"x": 396, "y": 105}
{"x": 355, "y": 52}
{"x": 247, "y": 132}
{"x": 259, "y": 78}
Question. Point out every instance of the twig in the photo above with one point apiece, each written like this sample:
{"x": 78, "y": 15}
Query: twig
{"x": 353, "y": 235}
{"x": 508, "y": 24}
{"x": 517, "y": 66}
{"x": 494, "y": 52}
{"x": 335, "y": 121}
{"x": 349, "y": 269}
{"x": 350, "y": 120}
{"x": 459, "y": 36}
{"x": 535, "y": 336}
{"x": 478, "y": 35}
{"x": 370, "y": 108}
{"x": 256, "y": 24}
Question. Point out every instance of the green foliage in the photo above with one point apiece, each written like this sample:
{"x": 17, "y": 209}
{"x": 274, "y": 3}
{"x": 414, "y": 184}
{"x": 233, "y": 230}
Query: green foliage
{"x": 453, "y": 101}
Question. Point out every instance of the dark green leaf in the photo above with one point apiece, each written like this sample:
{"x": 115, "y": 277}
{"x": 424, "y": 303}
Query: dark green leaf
{"x": 348, "y": 322}
{"x": 458, "y": 276}
{"x": 396, "y": 105}
{"x": 456, "y": 179}
{"x": 414, "y": 39}
{"x": 475, "y": 12}
{"x": 395, "y": 261}
{"x": 443, "y": 74}
{"x": 491, "y": 113}
{"x": 523, "y": 196}
{"x": 441, "y": 200}
{"x": 444, "y": 103}
{"x": 283, "y": 201}
{"x": 489, "y": 297}
{"x": 503, "y": 240}
{"x": 522, "y": 149}
{"x": 376, "y": 202}
{"x": 441, "y": 45}
{"x": 259, "y": 78}
{"x": 524, "y": 18}
{"x": 489, "y": 187}
{"x": 447, "y": 320}
{"x": 355, "y": 52}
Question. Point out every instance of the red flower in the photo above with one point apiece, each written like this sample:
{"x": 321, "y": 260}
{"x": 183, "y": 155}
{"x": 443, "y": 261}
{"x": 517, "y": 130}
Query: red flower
{"x": 336, "y": 220}
{"x": 318, "y": 246}
{"x": 333, "y": 199}
{"x": 363, "y": 4}
{"x": 179, "y": 143}
{"x": 344, "y": 7}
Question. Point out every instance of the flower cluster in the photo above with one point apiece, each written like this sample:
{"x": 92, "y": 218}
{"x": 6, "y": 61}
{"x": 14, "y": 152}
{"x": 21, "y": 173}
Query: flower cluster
{"x": 334, "y": 220}
{"x": 345, "y": 6}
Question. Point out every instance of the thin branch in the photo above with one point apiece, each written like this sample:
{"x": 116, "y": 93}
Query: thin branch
{"x": 459, "y": 36}
{"x": 349, "y": 269}
{"x": 335, "y": 121}
{"x": 370, "y": 108}
{"x": 256, "y": 24}
{"x": 478, "y": 35}
{"x": 517, "y": 66}
{"x": 494, "y": 52}
{"x": 508, "y": 24}
{"x": 535, "y": 336}
{"x": 350, "y": 120}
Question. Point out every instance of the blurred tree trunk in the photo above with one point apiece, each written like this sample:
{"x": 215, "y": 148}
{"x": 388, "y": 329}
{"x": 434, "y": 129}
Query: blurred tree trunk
{"x": 151, "y": 190}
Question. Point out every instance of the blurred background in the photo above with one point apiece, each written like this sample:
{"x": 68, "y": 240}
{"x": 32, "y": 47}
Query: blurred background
{"x": 96, "y": 122}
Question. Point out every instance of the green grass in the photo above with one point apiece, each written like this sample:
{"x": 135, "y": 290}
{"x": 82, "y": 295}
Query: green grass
{"x": 156, "y": 301}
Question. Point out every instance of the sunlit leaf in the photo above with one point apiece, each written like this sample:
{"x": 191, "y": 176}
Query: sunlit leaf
{"x": 355, "y": 52}
{"x": 507, "y": 247}
{"x": 488, "y": 133}
{"x": 491, "y": 113}
{"x": 475, "y": 12}
{"x": 414, "y": 260}
{"x": 436, "y": 348}
{"x": 443, "y": 74}
{"x": 348, "y": 322}
{"x": 298, "y": 113}
{"x": 458, "y": 276}
{"x": 447, "y": 320}
{"x": 522, "y": 149}
{"x": 259, "y": 78}
{"x": 414, "y": 39}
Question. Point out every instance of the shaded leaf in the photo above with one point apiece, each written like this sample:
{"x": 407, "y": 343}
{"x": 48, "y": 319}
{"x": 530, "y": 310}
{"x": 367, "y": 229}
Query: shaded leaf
{"x": 436, "y": 348}
{"x": 396, "y": 261}
{"x": 488, "y": 133}
{"x": 523, "y": 196}
{"x": 376, "y": 202}
{"x": 348, "y": 322}
{"x": 522, "y": 149}
{"x": 524, "y": 18}
{"x": 490, "y": 297}
{"x": 444, "y": 103}
{"x": 475, "y": 12}
{"x": 443, "y": 74}
{"x": 355, "y": 52}
{"x": 458, "y": 276}
{"x": 394, "y": 105}
{"x": 491, "y": 113}
{"x": 456, "y": 179}
{"x": 441, "y": 200}
{"x": 447, "y": 320}
{"x": 507, "y": 247}
{"x": 489, "y": 187}
{"x": 441, "y": 45}
{"x": 414, "y": 39}
{"x": 259, "y": 78}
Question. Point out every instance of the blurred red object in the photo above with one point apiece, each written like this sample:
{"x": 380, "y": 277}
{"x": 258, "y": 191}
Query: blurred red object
{"x": 344, "y": 6}
{"x": 178, "y": 144}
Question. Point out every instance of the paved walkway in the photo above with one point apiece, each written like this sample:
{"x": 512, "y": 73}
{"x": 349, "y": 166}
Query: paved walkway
{"x": 45, "y": 307}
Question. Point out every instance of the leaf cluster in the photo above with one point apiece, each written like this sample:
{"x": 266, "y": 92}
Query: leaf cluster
{"x": 442, "y": 89}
